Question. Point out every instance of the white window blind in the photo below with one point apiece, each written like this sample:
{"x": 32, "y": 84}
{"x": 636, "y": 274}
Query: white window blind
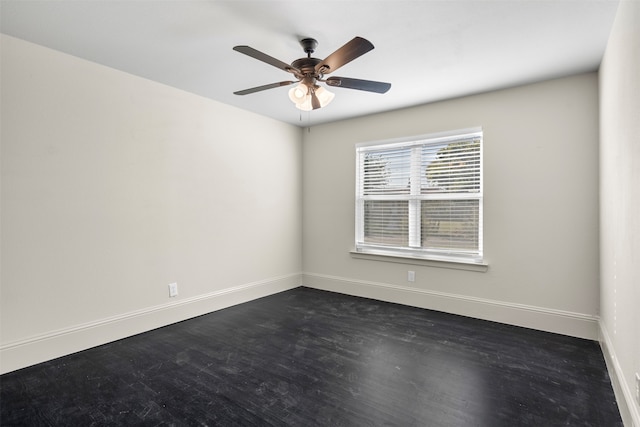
{"x": 421, "y": 197}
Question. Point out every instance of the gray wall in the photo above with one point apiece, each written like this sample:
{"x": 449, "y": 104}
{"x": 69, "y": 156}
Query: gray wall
{"x": 620, "y": 206}
{"x": 540, "y": 208}
{"x": 114, "y": 186}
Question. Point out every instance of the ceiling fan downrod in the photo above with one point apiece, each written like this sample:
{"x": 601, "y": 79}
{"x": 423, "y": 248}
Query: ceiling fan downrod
{"x": 309, "y": 46}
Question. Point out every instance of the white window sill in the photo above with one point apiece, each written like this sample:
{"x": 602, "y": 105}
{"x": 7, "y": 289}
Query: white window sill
{"x": 455, "y": 264}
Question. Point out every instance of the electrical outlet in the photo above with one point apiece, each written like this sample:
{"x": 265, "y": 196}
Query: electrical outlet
{"x": 411, "y": 276}
{"x": 173, "y": 289}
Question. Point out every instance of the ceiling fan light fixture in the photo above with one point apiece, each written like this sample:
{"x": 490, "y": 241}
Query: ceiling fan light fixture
{"x": 301, "y": 96}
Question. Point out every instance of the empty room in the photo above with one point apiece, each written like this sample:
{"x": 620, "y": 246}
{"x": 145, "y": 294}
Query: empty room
{"x": 320, "y": 213}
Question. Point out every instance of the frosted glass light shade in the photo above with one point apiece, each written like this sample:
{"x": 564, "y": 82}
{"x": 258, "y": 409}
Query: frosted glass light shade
{"x": 297, "y": 94}
{"x": 324, "y": 96}
{"x": 301, "y": 96}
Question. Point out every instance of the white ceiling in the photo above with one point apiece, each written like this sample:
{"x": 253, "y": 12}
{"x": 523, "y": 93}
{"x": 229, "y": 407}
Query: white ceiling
{"x": 428, "y": 50}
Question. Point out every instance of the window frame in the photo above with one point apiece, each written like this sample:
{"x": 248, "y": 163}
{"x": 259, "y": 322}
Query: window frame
{"x": 414, "y": 249}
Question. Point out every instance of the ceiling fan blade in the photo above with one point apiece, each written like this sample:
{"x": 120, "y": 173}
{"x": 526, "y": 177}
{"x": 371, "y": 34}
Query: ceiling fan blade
{"x": 249, "y": 51}
{"x": 260, "y": 88}
{"x": 347, "y": 53}
{"x": 367, "y": 85}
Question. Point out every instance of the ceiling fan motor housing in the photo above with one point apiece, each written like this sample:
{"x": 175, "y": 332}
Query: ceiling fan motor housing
{"x": 307, "y": 67}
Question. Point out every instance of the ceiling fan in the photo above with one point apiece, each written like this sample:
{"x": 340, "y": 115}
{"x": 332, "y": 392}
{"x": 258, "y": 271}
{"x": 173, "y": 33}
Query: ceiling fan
{"x": 308, "y": 95}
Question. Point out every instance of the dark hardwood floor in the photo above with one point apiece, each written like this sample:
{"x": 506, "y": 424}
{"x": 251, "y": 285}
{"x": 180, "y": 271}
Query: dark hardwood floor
{"x": 312, "y": 358}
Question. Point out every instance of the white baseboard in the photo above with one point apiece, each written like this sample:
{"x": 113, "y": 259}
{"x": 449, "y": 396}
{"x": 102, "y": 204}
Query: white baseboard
{"x": 19, "y": 354}
{"x": 544, "y": 319}
{"x": 622, "y": 389}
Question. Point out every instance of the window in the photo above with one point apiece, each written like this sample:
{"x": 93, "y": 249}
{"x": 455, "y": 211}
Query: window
{"x": 421, "y": 197}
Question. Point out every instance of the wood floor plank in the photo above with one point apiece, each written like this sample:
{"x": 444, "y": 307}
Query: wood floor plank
{"x": 312, "y": 358}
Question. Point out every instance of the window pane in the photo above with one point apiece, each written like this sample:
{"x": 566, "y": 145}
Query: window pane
{"x": 386, "y": 222}
{"x": 450, "y": 224}
{"x": 386, "y": 172}
{"x": 451, "y": 168}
